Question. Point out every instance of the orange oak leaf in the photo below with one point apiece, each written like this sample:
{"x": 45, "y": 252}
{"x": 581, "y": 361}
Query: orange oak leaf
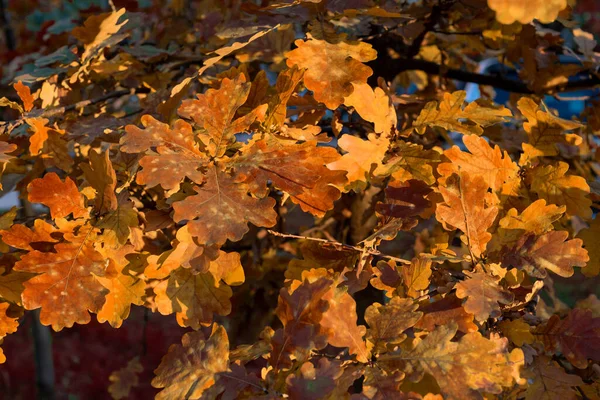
{"x": 185, "y": 253}
{"x": 577, "y": 336}
{"x": 25, "y": 95}
{"x": 100, "y": 174}
{"x": 298, "y": 170}
{"x": 492, "y": 164}
{"x": 339, "y": 322}
{"x": 193, "y": 297}
{"x": 177, "y": 155}
{"x": 124, "y": 379}
{"x": 222, "y": 208}
{"x": 373, "y": 105}
{"x": 449, "y": 114}
{"x": 123, "y": 289}
{"x": 361, "y": 158}
{"x": 552, "y": 184}
{"x": 65, "y": 287}
{"x": 550, "y": 251}
{"x": 548, "y": 380}
{"x": 483, "y": 295}
{"x": 388, "y": 322}
{"x": 300, "y": 310}
{"x": 545, "y": 131}
{"x": 62, "y": 198}
{"x": 444, "y": 311}
{"x": 214, "y": 111}
{"x": 462, "y": 369}
{"x": 189, "y": 369}
{"x": 22, "y": 237}
{"x": 8, "y": 324}
{"x": 464, "y": 208}
{"x": 41, "y": 135}
{"x": 332, "y": 68}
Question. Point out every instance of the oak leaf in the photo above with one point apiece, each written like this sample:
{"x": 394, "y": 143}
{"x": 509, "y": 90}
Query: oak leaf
{"x": 331, "y": 69}
{"x": 123, "y": 289}
{"x": 124, "y": 379}
{"x": 444, "y": 311}
{"x": 222, "y": 208}
{"x": 41, "y": 134}
{"x": 100, "y": 174}
{"x": 361, "y": 158}
{"x": 416, "y": 276}
{"x": 315, "y": 383}
{"x": 509, "y": 11}
{"x": 8, "y": 323}
{"x": 537, "y": 218}
{"x": 62, "y": 198}
{"x": 590, "y": 239}
{"x": 552, "y": 184}
{"x": 405, "y": 199}
{"x": 300, "y": 309}
{"x": 373, "y": 105}
{"x": 449, "y": 114}
{"x": 177, "y": 155}
{"x": 494, "y": 165}
{"x": 388, "y": 322}
{"x": 5, "y": 158}
{"x": 339, "y": 322}
{"x": 185, "y": 253}
{"x": 517, "y": 331}
{"x": 464, "y": 208}
{"x": 545, "y": 131}
{"x": 25, "y": 95}
{"x": 577, "y": 336}
{"x": 189, "y": 369}
{"x": 410, "y": 161}
{"x": 65, "y": 287}
{"x": 298, "y": 170}
{"x": 483, "y": 295}
{"x": 462, "y": 369}
{"x": 193, "y": 297}
{"x": 11, "y": 285}
{"x": 550, "y": 251}
{"x": 214, "y": 111}
{"x": 549, "y": 381}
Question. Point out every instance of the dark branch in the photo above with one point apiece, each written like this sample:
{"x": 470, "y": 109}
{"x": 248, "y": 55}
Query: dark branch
{"x": 495, "y": 81}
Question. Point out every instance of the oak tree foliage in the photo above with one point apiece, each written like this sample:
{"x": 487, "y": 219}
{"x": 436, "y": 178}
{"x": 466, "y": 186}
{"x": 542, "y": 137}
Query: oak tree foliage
{"x": 308, "y": 188}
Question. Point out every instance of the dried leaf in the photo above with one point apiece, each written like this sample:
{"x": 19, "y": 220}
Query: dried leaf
{"x": 483, "y": 295}
{"x": 331, "y": 69}
{"x": 61, "y": 198}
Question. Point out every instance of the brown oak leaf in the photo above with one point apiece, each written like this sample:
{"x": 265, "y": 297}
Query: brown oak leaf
{"x": 483, "y": 295}
{"x": 222, "y": 208}
{"x": 387, "y": 322}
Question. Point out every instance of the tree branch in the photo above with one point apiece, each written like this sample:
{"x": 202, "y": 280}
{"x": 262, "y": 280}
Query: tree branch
{"x": 498, "y": 82}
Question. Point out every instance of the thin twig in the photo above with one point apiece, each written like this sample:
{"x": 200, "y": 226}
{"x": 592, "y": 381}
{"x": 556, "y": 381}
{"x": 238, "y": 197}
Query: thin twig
{"x": 341, "y": 245}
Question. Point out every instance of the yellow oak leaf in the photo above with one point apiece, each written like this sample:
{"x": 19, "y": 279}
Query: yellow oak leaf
{"x": 551, "y": 183}
{"x": 410, "y": 161}
{"x": 449, "y": 114}
{"x": 494, "y": 165}
{"x": 517, "y": 331}
{"x": 388, "y": 322}
{"x": 373, "y": 105}
{"x": 331, "y": 69}
{"x": 509, "y": 11}
{"x": 545, "y": 131}
{"x": 416, "y": 276}
{"x": 361, "y": 158}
